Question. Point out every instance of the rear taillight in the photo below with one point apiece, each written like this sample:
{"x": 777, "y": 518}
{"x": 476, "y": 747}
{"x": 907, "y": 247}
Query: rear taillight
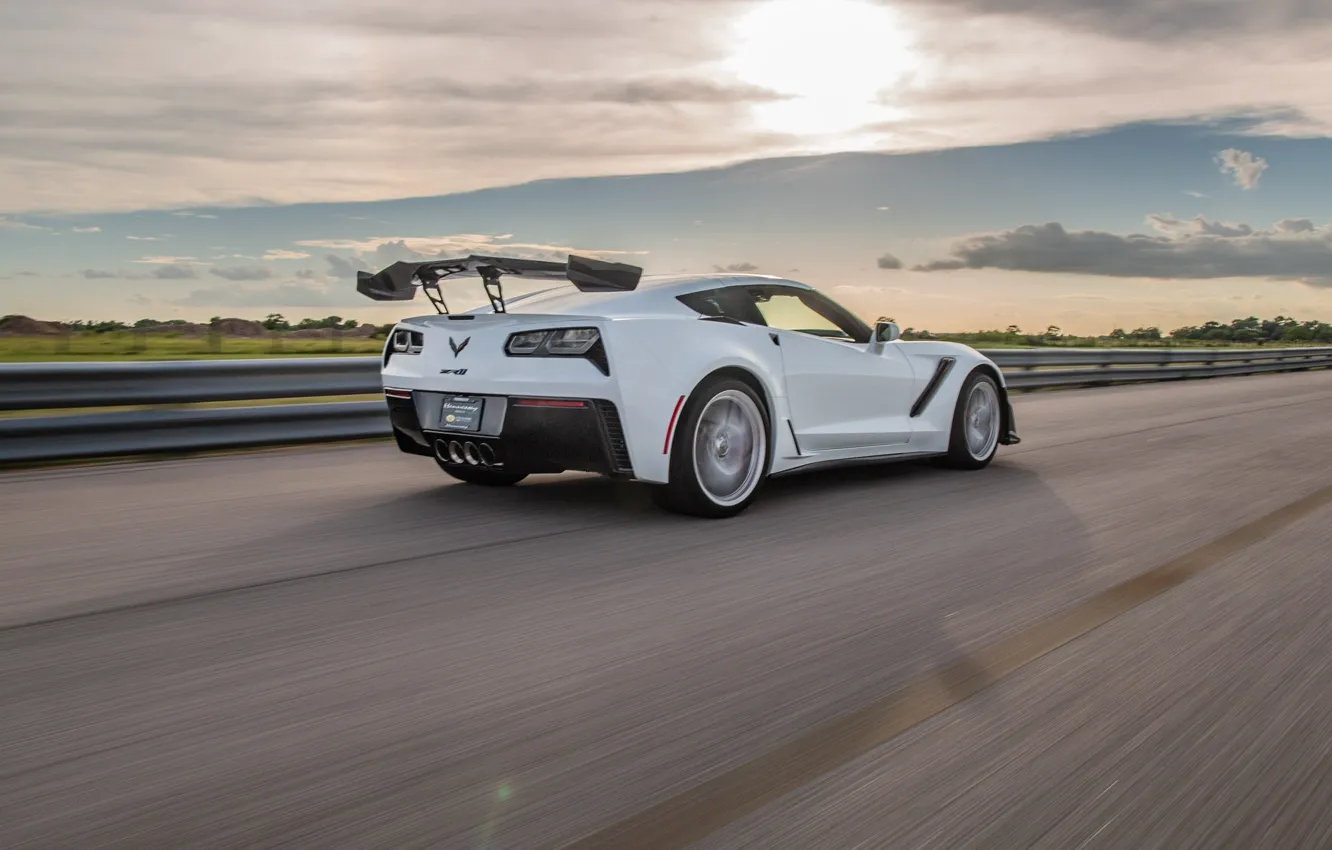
{"x": 567, "y": 342}
{"x": 560, "y": 342}
{"x": 407, "y": 342}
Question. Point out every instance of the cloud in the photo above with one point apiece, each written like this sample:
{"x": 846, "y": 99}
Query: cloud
{"x": 7, "y": 223}
{"x": 191, "y": 261}
{"x": 391, "y": 249}
{"x": 283, "y": 254}
{"x": 1294, "y": 249}
{"x": 98, "y": 274}
{"x": 1197, "y": 226}
{"x": 87, "y": 230}
{"x": 666, "y": 90}
{"x": 306, "y": 274}
{"x": 888, "y": 261}
{"x": 276, "y": 296}
{"x": 1158, "y": 21}
{"x": 189, "y": 214}
{"x": 175, "y": 272}
{"x": 241, "y": 272}
{"x": 1295, "y": 225}
{"x": 1244, "y": 166}
{"x": 269, "y": 102}
{"x": 737, "y": 268}
{"x": 1193, "y": 194}
{"x": 868, "y": 289}
{"x": 148, "y": 238}
{"x": 345, "y": 267}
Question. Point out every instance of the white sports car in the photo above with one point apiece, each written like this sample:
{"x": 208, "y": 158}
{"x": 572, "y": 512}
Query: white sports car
{"x": 702, "y": 385}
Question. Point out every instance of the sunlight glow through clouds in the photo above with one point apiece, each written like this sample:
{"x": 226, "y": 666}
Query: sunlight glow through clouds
{"x": 833, "y": 58}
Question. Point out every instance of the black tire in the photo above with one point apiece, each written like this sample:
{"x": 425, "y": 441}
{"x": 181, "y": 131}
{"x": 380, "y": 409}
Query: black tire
{"x": 686, "y": 494}
{"x": 484, "y": 477}
{"x": 962, "y": 455}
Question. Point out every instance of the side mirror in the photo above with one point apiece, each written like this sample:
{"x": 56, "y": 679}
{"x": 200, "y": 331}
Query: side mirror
{"x": 886, "y": 331}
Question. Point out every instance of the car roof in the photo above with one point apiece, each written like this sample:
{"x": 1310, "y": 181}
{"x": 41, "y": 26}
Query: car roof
{"x": 655, "y": 294}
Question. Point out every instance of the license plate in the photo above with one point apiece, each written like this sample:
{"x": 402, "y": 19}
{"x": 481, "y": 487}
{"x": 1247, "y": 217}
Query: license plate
{"x": 461, "y": 413}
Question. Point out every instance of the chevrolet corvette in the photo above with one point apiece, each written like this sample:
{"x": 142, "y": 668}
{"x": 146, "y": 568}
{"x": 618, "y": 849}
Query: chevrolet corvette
{"x": 702, "y": 386}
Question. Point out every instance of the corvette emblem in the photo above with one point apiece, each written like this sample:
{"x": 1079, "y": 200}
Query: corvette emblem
{"x": 457, "y": 349}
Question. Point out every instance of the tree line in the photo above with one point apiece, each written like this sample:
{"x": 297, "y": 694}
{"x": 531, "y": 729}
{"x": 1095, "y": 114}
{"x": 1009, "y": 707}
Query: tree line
{"x": 272, "y": 322}
{"x": 1248, "y": 330}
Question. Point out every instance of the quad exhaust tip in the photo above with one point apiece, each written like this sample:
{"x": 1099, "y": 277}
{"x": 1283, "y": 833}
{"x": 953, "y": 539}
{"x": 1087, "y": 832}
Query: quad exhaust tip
{"x": 469, "y": 452}
{"x": 465, "y": 453}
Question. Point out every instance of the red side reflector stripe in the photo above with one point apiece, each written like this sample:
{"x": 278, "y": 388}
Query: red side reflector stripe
{"x": 670, "y": 429}
{"x": 549, "y": 402}
{"x": 398, "y": 393}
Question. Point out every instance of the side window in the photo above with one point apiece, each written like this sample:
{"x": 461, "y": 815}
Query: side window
{"x": 807, "y": 312}
{"x": 730, "y": 303}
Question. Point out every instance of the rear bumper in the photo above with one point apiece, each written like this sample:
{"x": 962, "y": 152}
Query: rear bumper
{"x": 519, "y": 434}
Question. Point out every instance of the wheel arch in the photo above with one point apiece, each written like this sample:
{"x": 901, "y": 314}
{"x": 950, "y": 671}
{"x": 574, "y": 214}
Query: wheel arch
{"x": 753, "y": 381}
{"x": 740, "y": 373}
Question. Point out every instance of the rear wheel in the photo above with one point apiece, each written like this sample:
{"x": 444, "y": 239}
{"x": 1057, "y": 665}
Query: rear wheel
{"x": 976, "y": 422}
{"x": 486, "y": 477}
{"x": 719, "y": 455}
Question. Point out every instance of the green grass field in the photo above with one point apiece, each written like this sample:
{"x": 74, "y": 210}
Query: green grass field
{"x": 130, "y": 346}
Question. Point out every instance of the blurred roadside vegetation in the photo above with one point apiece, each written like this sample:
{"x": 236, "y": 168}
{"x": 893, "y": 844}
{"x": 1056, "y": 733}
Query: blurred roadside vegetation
{"x": 1251, "y": 331}
{"x": 26, "y": 339}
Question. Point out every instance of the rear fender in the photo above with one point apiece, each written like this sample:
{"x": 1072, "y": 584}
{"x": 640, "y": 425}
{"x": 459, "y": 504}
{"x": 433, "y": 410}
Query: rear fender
{"x": 662, "y": 361}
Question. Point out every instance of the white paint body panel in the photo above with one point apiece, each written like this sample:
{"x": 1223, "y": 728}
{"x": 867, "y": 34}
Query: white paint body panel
{"x": 840, "y": 400}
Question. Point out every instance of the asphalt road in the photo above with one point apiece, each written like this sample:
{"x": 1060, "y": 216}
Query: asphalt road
{"x": 337, "y": 647}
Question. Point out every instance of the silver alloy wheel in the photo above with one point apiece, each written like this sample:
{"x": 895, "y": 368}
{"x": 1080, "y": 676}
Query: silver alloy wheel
{"x": 981, "y": 420}
{"x": 730, "y": 448}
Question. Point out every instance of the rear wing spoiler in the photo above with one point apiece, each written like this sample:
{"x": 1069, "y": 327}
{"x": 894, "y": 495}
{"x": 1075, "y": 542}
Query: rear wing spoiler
{"x": 399, "y": 281}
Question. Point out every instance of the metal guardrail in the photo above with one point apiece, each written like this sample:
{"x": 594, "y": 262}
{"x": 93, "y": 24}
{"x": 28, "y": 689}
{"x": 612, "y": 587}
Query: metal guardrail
{"x": 30, "y": 387}
{"x": 51, "y": 386}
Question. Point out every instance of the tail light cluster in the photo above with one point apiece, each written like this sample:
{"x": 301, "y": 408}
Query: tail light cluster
{"x": 407, "y": 342}
{"x": 573, "y": 342}
{"x": 402, "y": 341}
{"x": 560, "y": 342}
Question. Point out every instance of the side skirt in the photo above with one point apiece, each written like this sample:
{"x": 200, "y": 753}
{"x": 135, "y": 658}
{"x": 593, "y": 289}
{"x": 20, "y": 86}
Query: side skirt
{"x": 871, "y": 460}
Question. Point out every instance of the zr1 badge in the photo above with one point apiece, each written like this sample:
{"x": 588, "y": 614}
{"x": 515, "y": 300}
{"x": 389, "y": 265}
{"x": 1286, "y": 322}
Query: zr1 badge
{"x": 453, "y": 371}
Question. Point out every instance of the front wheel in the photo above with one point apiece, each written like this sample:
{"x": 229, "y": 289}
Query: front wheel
{"x": 485, "y": 477}
{"x": 719, "y": 455}
{"x": 976, "y": 422}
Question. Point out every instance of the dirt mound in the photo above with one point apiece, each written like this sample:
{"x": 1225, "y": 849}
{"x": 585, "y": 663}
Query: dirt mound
{"x": 24, "y": 326}
{"x": 240, "y": 327}
{"x": 190, "y": 330}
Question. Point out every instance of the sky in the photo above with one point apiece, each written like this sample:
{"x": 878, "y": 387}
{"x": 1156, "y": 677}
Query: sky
{"x": 953, "y": 164}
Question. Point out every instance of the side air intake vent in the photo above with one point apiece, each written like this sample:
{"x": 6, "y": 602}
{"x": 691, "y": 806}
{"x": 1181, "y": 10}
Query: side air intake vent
{"x": 610, "y": 420}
